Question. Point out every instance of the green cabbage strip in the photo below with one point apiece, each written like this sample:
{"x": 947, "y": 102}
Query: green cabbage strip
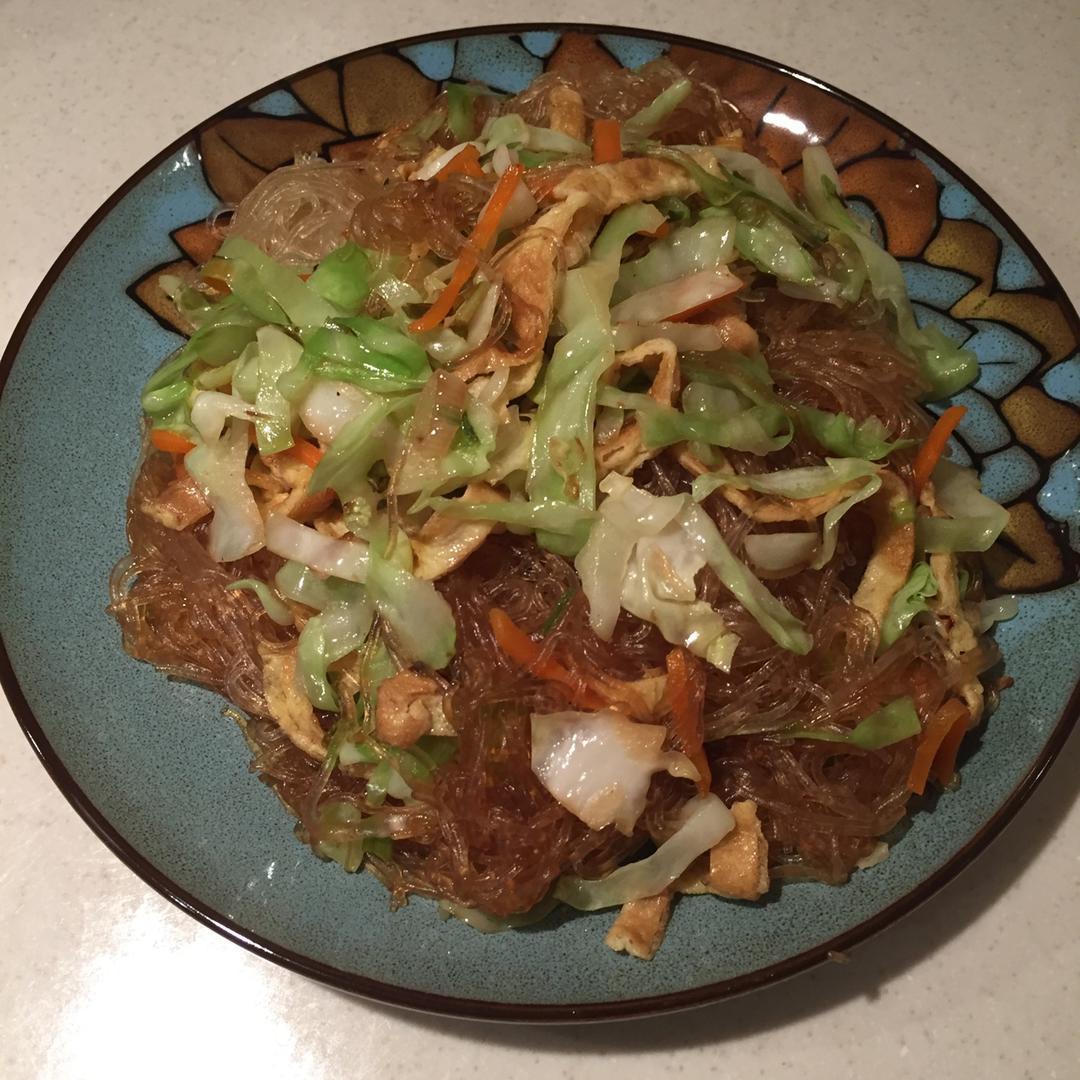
{"x": 765, "y": 183}
{"x": 841, "y": 435}
{"x": 807, "y": 482}
{"x": 460, "y": 107}
{"x": 347, "y": 837}
{"x": 227, "y": 331}
{"x": 371, "y": 353}
{"x": 911, "y": 599}
{"x": 762, "y": 238}
{"x": 361, "y": 442}
{"x": 725, "y": 188}
{"x": 894, "y": 723}
{"x": 418, "y": 617}
{"x": 341, "y": 627}
{"x": 749, "y": 375}
{"x": 645, "y": 121}
{"x": 770, "y": 614}
{"x": 272, "y": 603}
{"x": 511, "y": 130}
{"x": 830, "y": 526}
{"x": 278, "y": 354}
{"x": 674, "y": 208}
{"x": 975, "y": 521}
{"x": 945, "y": 366}
{"x": 298, "y": 304}
{"x": 562, "y": 468}
{"x": 617, "y": 561}
{"x": 685, "y": 250}
{"x": 556, "y": 518}
{"x": 706, "y": 822}
{"x": 344, "y": 278}
{"x": 757, "y": 429}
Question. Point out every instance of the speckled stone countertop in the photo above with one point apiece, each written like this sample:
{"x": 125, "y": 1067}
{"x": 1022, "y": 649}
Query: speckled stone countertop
{"x": 100, "y": 977}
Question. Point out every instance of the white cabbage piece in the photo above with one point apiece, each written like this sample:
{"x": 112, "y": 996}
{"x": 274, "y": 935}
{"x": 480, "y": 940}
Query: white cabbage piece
{"x": 643, "y": 554}
{"x": 217, "y": 466}
{"x": 599, "y": 765}
{"x": 705, "y": 822}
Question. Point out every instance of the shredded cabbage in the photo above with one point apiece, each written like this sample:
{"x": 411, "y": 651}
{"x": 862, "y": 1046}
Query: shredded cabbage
{"x": 299, "y": 305}
{"x": 511, "y": 130}
{"x": 562, "y": 467}
{"x": 646, "y": 550}
{"x": 891, "y": 724}
{"x": 975, "y": 521}
{"x": 340, "y": 629}
{"x": 348, "y": 559}
{"x": 947, "y": 367}
{"x": 271, "y": 602}
{"x": 278, "y": 354}
{"x": 840, "y": 434}
{"x": 419, "y": 618}
{"x": 911, "y": 599}
{"x": 830, "y": 526}
{"x": 708, "y": 243}
{"x": 673, "y": 298}
{"x": 344, "y": 278}
{"x": 757, "y": 429}
{"x": 236, "y": 528}
{"x": 646, "y": 120}
{"x": 706, "y": 821}
{"x": 780, "y": 551}
{"x": 807, "y": 482}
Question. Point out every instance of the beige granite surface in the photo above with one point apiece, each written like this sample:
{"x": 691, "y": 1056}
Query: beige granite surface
{"x": 100, "y": 977}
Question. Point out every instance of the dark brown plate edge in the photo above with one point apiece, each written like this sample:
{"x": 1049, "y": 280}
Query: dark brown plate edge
{"x": 492, "y": 1010}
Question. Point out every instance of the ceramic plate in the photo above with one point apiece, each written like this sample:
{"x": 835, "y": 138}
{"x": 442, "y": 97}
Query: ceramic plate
{"x": 162, "y": 777}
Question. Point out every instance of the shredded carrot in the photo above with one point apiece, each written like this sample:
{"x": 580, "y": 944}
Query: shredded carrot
{"x": 931, "y": 450}
{"x": 482, "y": 235}
{"x": 170, "y": 441}
{"x": 606, "y": 142}
{"x": 660, "y": 231}
{"x": 528, "y": 654}
{"x": 307, "y": 452}
{"x": 941, "y": 723}
{"x": 686, "y": 693}
{"x": 945, "y": 763}
{"x": 466, "y": 161}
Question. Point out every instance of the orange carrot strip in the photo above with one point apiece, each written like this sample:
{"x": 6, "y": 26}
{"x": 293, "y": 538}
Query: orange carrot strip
{"x": 952, "y": 712}
{"x": 482, "y": 235}
{"x": 170, "y": 441}
{"x": 945, "y": 763}
{"x": 686, "y": 693}
{"x": 606, "y": 142}
{"x": 934, "y": 447}
{"x": 661, "y": 230}
{"x": 466, "y": 161}
{"x": 306, "y": 452}
{"x": 527, "y": 654}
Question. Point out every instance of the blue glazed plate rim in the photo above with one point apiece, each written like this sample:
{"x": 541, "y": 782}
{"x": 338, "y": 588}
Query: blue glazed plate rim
{"x": 493, "y": 1010}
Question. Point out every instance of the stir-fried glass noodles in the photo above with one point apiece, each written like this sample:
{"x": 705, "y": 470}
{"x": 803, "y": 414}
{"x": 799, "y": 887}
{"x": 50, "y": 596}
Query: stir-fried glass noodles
{"x": 548, "y": 487}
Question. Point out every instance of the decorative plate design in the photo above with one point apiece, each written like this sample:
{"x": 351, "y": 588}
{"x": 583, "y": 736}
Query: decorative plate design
{"x": 161, "y": 777}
